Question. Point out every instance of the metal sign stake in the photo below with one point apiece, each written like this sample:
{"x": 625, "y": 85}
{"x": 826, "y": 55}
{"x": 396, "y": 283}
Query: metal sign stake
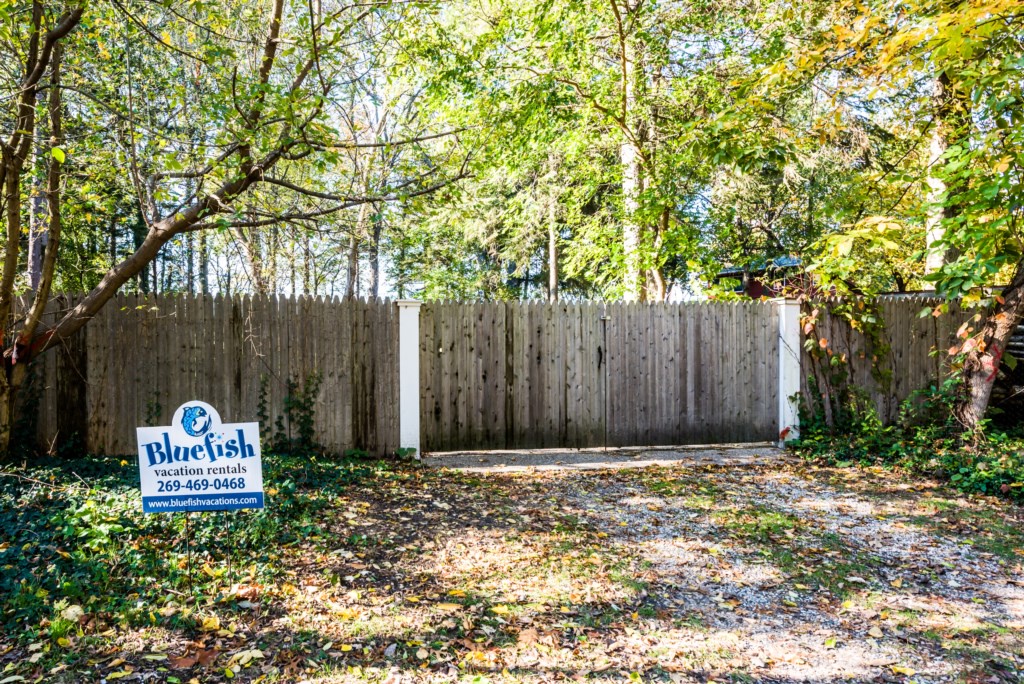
{"x": 188, "y": 555}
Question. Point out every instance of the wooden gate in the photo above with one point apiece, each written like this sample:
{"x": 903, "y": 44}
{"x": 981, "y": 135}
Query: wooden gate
{"x": 520, "y": 375}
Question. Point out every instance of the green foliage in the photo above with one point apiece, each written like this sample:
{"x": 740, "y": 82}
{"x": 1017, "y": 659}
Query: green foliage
{"x": 405, "y": 453}
{"x": 294, "y": 429}
{"x": 24, "y": 430}
{"x": 834, "y": 399}
{"x": 263, "y": 410}
{"x": 75, "y": 533}
{"x": 300, "y": 412}
{"x": 925, "y": 439}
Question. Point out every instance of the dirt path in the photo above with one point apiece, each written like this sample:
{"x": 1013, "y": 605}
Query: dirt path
{"x": 802, "y": 577}
{"x": 751, "y": 567}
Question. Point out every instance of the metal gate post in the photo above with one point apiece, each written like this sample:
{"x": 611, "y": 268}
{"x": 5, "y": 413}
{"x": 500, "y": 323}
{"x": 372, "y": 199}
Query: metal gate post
{"x": 789, "y": 369}
{"x": 409, "y": 375}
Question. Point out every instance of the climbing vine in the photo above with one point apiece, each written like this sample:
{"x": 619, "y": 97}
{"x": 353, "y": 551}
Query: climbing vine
{"x": 834, "y": 329}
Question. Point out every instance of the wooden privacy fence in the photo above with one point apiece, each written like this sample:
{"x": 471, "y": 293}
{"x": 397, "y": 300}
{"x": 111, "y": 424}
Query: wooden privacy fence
{"x": 143, "y": 356}
{"x": 520, "y": 375}
{"x": 907, "y": 366}
{"x": 474, "y": 376}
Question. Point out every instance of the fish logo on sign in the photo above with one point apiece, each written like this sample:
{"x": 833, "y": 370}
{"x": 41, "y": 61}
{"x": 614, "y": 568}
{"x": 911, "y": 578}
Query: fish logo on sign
{"x": 195, "y": 421}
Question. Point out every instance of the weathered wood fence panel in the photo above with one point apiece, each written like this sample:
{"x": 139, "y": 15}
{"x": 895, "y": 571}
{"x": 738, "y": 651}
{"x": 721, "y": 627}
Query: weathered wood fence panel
{"x": 143, "y": 356}
{"x": 692, "y": 373}
{"x": 492, "y": 375}
{"x": 527, "y": 375}
{"x": 916, "y": 358}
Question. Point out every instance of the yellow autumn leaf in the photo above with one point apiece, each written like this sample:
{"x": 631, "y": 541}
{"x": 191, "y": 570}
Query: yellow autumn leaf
{"x": 449, "y": 606}
{"x": 899, "y": 669}
{"x": 500, "y": 610}
{"x": 211, "y": 624}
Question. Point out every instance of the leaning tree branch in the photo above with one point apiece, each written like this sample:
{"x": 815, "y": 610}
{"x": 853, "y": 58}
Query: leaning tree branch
{"x": 387, "y": 143}
{"x": 348, "y": 203}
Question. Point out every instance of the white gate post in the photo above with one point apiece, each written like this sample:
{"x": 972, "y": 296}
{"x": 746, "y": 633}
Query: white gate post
{"x": 789, "y": 369}
{"x": 409, "y": 375}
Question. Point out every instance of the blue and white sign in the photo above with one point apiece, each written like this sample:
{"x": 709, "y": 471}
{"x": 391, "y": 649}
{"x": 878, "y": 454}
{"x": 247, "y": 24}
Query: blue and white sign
{"x": 200, "y": 464}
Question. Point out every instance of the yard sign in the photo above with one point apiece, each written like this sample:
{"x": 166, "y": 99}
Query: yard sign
{"x": 200, "y": 464}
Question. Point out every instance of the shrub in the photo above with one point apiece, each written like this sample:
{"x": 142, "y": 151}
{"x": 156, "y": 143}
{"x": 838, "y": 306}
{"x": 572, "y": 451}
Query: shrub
{"x": 925, "y": 439}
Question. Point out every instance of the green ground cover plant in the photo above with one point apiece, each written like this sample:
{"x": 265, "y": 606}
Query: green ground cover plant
{"x": 75, "y": 535}
{"x": 926, "y": 439}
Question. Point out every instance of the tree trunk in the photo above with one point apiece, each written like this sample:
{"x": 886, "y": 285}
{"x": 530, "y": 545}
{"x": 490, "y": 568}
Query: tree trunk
{"x": 375, "y": 260}
{"x": 37, "y": 228}
{"x": 17, "y": 361}
{"x": 254, "y": 259}
{"x": 657, "y": 289}
{"x": 6, "y": 413}
{"x": 632, "y": 283}
{"x": 981, "y": 365}
{"x": 632, "y": 183}
{"x": 204, "y": 264}
{"x": 138, "y": 227}
{"x": 190, "y": 262}
{"x": 352, "y": 281}
{"x": 553, "y": 251}
{"x": 111, "y": 240}
{"x": 307, "y": 258}
{"x": 352, "y": 276}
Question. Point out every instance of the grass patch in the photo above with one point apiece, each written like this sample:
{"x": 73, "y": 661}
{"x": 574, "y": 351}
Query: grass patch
{"x": 985, "y": 530}
{"x": 756, "y": 523}
{"x": 698, "y": 494}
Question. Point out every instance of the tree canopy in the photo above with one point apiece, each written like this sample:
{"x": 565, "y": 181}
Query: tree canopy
{"x": 539, "y": 149}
